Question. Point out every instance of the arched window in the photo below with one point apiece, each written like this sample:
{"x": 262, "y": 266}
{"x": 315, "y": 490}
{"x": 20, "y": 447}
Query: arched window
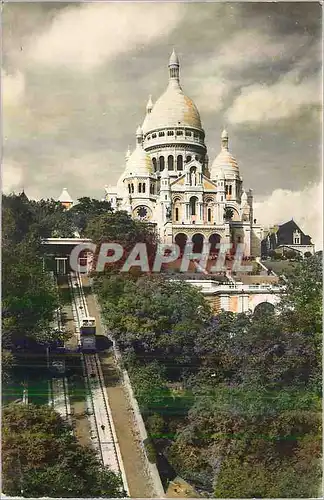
{"x": 193, "y": 205}
{"x": 132, "y": 188}
{"x": 180, "y": 162}
{"x": 161, "y": 134}
{"x": 209, "y": 214}
{"x": 170, "y": 162}
{"x": 129, "y": 188}
{"x": 226, "y": 189}
{"x": 188, "y": 158}
{"x": 177, "y": 214}
{"x": 140, "y": 187}
{"x": 230, "y": 190}
{"x": 154, "y": 164}
{"x": 161, "y": 161}
{"x": 143, "y": 187}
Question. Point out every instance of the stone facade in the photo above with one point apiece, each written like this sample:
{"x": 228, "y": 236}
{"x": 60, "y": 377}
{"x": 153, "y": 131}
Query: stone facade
{"x": 167, "y": 180}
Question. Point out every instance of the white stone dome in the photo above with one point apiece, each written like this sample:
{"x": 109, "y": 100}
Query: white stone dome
{"x": 172, "y": 109}
{"x": 139, "y": 163}
{"x": 224, "y": 160}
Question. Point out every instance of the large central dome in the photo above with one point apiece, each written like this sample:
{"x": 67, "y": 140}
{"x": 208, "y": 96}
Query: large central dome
{"x": 173, "y": 108}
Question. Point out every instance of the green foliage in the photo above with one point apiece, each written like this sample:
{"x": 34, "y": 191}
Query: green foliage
{"x": 150, "y": 387}
{"x": 29, "y": 298}
{"x": 254, "y": 429}
{"x": 157, "y": 318}
{"x": 150, "y": 450}
{"x": 228, "y": 213}
{"x": 155, "y": 425}
{"x": 41, "y": 458}
{"x": 88, "y": 209}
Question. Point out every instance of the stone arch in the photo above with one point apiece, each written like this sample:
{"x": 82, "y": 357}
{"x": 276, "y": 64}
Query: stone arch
{"x": 264, "y": 308}
{"x": 256, "y": 300}
{"x": 209, "y": 210}
{"x": 214, "y": 239}
{"x": 181, "y": 240}
{"x": 193, "y": 205}
{"x": 236, "y": 215}
{"x": 170, "y": 162}
{"x": 161, "y": 163}
{"x": 177, "y": 210}
{"x": 197, "y": 242}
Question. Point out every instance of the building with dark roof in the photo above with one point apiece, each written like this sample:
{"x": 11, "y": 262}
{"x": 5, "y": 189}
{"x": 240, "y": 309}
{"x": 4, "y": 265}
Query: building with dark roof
{"x": 287, "y": 236}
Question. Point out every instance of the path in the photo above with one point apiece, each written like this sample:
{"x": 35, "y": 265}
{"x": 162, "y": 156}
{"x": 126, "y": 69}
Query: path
{"x": 129, "y": 443}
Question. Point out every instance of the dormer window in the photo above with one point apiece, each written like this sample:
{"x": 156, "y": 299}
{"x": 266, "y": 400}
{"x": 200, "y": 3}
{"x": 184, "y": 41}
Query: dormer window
{"x": 296, "y": 238}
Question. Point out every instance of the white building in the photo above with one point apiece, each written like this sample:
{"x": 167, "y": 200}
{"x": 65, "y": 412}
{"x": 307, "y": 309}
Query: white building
{"x": 167, "y": 179}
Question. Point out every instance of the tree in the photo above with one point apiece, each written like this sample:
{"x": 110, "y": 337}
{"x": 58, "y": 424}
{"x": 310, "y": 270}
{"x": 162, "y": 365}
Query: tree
{"x": 121, "y": 228}
{"x": 28, "y": 297}
{"x": 41, "y": 458}
{"x": 87, "y": 209}
{"x": 157, "y": 318}
{"x": 228, "y": 213}
{"x": 254, "y": 427}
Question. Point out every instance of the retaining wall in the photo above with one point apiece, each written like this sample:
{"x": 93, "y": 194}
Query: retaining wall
{"x": 151, "y": 468}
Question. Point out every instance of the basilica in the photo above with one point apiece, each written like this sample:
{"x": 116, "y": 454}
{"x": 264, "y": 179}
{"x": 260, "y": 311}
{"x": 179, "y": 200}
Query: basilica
{"x": 168, "y": 181}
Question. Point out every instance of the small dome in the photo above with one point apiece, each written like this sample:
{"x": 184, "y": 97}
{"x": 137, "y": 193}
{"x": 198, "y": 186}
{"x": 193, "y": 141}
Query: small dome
{"x": 139, "y": 163}
{"x": 244, "y": 198}
{"x": 224, "y": 160}
{"x": 65, "y": 197}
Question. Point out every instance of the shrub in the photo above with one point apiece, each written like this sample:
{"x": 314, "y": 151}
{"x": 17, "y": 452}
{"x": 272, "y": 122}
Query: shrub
{"x": 150, "y": 450}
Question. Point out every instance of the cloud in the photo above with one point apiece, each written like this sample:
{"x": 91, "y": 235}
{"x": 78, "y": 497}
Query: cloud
{"x": 252, "y": 47}
{"x": 288, "y": 97}
{"x": 12, "y": 177}
{"x": 85, "y": 37}
{"x": 13, "y": 87}
{"x": 305, "y": 207}
{"x": 225, "y": 70}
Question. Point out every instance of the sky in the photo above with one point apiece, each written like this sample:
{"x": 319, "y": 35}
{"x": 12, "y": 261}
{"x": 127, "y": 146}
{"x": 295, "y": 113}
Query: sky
{"x": 76, "y": 79}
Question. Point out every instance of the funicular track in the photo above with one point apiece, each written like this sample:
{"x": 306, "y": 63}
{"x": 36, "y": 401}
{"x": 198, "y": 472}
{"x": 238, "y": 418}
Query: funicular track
{"x": 103, "y": 434}
{"x": 58, "y": 393}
